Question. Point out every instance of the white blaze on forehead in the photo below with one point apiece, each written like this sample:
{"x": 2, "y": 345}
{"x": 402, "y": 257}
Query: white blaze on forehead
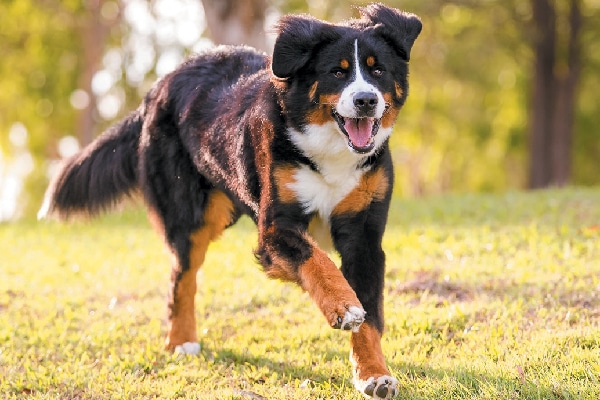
{"x": 345, "y": 106}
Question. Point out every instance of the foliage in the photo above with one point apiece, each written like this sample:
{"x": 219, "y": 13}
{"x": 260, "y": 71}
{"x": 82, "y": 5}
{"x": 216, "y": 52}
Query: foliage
{"x": 487, "y": 297}
{"x": 38, "y": 72}
{"x": 464, "y": 127}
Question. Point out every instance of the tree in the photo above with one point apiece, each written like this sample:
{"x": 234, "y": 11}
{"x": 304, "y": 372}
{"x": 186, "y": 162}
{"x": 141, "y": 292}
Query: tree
{"x": 94, "y": 26}
{"x": 556, "y": 74}
{"x": 237, "y": 22}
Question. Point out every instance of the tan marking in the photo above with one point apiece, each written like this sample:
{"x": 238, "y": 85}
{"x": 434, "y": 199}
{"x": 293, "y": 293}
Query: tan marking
{"x": 322, "y": 113}
{"x": 366, "y": 355}
{"x": 370, "y": 61}
{"x": 389, "y": 117}
{"x": 399, "y": 91}
{"x": 313, "y": 91}
{"x": 281, "y": 270}
{"x": 391, "y": 113}
{"x": 326, "y": 285}
{"x": 344, "y": 64}
{"x": 217, "y": 216}
{"x": 373, "y": 186}
{"x": 284, "y": 176}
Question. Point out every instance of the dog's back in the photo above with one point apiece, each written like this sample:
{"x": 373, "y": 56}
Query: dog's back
{"x": 188, "y": 99}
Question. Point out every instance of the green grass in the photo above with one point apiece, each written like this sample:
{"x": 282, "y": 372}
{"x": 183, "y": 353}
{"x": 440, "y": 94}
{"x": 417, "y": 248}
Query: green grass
{"x": 487, "y": 297}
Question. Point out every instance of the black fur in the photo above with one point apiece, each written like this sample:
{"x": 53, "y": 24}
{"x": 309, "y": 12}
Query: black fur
{"x": 100, "y": 175}
{"x": 400, "y": 30}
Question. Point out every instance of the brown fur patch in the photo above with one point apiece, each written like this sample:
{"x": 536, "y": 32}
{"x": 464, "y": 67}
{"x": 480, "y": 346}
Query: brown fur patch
{"x": 322, "y": 114}
{"x": 281, "y": 270}
{"x": 326, "y": 285}
{"x": 399, "y": 91}
{"x": 344, "y": 64}
{"x": 313, "y": 91}
{"x": 391, "y": 113}
{"x": 370, "y": 61}
{"x": 182, "y": 324}
{"x": 373, "y": 186}
{"x": 283, "y": 177}
{"x": 366, "y": 355}
{"x": 389, "y": 116}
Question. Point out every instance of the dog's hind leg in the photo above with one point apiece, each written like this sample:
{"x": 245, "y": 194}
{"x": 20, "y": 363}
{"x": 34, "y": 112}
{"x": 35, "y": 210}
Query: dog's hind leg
{"x": 186, "y": 208}
{"x": 188, "y": 256}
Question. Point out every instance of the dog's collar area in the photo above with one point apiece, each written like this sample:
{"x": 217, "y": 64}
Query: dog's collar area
{"x": 359, "y": 131}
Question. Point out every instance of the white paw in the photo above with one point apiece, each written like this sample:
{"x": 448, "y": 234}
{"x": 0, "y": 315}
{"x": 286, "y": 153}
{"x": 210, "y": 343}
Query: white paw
{"x": 352, "y": 319}
{"x": 383, "y": 388}
{"x": 191, "y": 348}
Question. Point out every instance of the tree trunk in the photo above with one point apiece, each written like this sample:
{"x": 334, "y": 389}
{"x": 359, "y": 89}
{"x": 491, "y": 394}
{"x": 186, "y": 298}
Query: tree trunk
{"x": 543, "y": 91}
{"x": 554, "y": 89}
{"x": 566, "y": 76}
{"x": 95, "y": 29}
{"x": 237, "y": 22}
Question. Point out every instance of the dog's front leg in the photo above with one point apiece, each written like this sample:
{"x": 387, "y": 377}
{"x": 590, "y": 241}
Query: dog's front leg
{"x": 291, "y": 254}
{"x": 357, "y": 227}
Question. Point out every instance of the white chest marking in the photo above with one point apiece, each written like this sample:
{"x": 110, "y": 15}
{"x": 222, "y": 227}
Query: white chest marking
{"x": 321, "y": 194}
{"x": 338, "y": 171}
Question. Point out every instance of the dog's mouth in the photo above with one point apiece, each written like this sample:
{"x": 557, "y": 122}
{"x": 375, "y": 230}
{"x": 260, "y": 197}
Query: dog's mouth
{"x": 359, "y": 131}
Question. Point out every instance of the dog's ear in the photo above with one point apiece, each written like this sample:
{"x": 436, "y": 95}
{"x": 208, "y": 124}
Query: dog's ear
{"x": 298, "y": 36}
{"x": 398, "y": 28}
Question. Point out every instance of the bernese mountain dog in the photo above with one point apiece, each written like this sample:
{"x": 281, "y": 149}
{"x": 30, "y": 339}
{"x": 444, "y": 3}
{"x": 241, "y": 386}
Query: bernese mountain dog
{"x": 298, "y": 142}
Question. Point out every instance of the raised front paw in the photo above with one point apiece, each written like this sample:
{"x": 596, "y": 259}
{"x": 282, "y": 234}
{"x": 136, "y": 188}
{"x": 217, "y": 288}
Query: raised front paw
{"x": 383, "y": 387}
{"x": 350, "y": 320}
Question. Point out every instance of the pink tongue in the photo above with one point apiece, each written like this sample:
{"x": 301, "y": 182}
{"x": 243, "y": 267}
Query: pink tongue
{"x": 359, "y": 130}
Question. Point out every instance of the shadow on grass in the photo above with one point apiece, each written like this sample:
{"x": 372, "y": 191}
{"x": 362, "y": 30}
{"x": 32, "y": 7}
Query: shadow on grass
{"x": 420, "y": 382}
{"x": 291, "y": 369}
{"x": 415, "y": 381}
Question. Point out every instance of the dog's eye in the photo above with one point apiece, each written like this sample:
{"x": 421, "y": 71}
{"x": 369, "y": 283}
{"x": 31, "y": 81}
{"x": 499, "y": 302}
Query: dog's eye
{"x": 338, "y": 73}
{"x": 377, "y": 72}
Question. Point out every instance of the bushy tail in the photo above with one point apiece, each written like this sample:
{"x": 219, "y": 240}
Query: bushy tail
{"x": 98, "y": 176}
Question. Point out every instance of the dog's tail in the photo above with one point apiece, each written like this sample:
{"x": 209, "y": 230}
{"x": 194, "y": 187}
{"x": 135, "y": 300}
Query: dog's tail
{"x": 98, "y": 176}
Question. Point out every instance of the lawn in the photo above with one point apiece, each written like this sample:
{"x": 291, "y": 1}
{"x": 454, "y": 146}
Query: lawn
{"x": 487, "y": 297}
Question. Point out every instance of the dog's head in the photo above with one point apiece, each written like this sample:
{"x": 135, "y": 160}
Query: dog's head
{"x": 350, "y": 76}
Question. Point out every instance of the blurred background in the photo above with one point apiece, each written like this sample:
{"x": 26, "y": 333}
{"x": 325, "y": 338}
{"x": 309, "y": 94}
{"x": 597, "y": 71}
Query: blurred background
{"x": 504, "y": 95}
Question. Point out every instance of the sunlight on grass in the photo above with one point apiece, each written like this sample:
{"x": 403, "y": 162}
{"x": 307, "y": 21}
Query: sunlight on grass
{"x": 487, "y": 297}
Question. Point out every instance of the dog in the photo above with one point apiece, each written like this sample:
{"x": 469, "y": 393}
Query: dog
{"x": 297, "y": 141}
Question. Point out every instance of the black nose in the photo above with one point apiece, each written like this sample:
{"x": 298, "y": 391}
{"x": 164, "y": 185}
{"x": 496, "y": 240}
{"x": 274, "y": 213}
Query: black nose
{"x": 365, "y": 101}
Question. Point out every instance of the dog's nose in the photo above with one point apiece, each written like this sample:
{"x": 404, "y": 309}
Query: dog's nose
{"x": 365, "y": 101}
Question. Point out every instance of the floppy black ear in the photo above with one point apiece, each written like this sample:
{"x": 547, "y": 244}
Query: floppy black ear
{"x": 298, "y": 35}
{"x": 399, "y": 28}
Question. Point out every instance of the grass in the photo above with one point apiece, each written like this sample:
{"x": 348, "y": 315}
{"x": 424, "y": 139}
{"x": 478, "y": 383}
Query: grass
{"x": 487, "y": 297}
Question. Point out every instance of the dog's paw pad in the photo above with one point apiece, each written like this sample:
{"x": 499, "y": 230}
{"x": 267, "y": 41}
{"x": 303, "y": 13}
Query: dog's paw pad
{"x": 382, "y": 388}
{"x": 191, "y": 348}
{"x": 352, "y": 319}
